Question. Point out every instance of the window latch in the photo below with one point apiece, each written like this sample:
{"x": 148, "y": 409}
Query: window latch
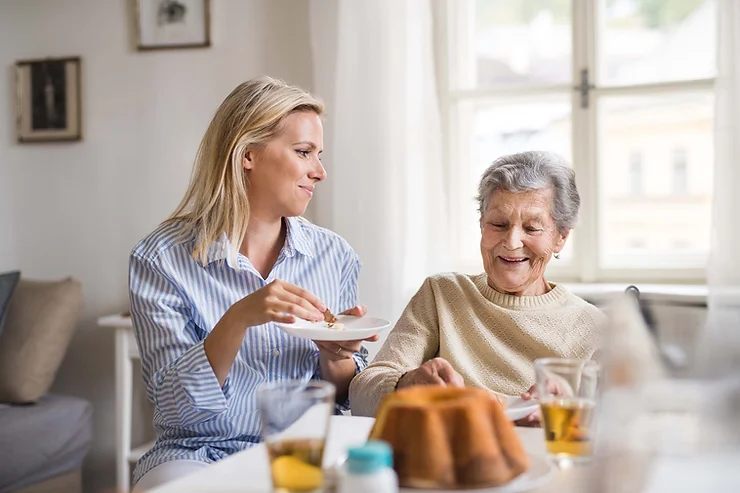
{"x": 583, "y": 88}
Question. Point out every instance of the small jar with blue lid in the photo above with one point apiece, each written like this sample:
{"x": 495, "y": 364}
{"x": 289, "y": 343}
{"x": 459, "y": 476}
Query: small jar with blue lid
{"x": 369, "y": 469}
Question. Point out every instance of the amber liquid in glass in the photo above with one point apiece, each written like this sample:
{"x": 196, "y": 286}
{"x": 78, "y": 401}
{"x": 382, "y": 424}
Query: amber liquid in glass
{"x": 568, "y": 425}
{"x": 295, "y": 465}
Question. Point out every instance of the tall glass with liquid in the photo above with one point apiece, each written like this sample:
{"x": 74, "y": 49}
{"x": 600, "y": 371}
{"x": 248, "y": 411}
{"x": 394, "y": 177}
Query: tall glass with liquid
{"x": 295, "y": 420}
{"x": 567, "y": 391}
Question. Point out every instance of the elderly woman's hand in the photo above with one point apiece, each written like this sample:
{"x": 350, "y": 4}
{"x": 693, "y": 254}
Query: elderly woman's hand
{"x": 437, "y": 371}
{"x": 554, "y": 387}
{"x": 533, "y": 420}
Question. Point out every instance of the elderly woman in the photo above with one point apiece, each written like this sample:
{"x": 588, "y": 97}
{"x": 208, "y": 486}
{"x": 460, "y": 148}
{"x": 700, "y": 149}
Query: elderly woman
{"x": 486, "y": 330}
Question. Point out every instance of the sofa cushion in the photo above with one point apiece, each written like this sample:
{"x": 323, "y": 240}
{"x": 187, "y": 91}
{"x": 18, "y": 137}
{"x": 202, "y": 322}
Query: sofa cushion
{"x": 43, "y": 440}
{"x": 41, "y": 319}
{"x": 8, "y": 282}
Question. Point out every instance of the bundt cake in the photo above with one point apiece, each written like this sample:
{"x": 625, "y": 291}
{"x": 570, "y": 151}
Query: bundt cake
{"x": 446, "y": 437}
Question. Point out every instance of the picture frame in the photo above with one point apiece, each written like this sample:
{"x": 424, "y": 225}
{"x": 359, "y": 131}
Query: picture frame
{"x": 48, "y": 100}
{"x": 172, "y": 24}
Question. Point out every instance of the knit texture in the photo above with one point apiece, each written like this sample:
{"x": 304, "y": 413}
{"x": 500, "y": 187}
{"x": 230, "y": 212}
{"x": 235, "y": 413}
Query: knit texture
{"x": 490, "y": 338}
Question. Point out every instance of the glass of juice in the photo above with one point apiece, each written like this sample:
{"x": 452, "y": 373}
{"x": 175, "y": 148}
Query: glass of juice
{"x": 295, "y": 418}
{"x": 567, "y": 391}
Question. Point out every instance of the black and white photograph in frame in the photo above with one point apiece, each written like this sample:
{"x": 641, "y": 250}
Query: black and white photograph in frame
{"x": 167, "y": 24}
{"x": 48, "y": 100}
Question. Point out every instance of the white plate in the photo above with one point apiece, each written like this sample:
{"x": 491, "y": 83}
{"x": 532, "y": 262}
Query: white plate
{"x": 518, "y": 408}
{"x": 540, "y": 471}
{"x": 355, "y": 328}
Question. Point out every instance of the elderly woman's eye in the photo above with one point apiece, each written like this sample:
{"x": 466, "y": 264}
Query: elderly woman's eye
{"x": 533, "y": 230}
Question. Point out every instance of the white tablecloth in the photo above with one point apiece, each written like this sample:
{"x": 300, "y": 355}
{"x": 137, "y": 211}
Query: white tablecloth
{"x": 248, "y": 471}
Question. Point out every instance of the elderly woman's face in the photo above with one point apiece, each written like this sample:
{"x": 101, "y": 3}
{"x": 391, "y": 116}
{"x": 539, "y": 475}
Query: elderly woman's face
{"x": 518, "y": 238}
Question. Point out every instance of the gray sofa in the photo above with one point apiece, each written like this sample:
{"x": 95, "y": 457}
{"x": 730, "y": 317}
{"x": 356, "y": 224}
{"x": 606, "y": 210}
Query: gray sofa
{"x": 44, "y": 437}
{"x": 48, "y": 442}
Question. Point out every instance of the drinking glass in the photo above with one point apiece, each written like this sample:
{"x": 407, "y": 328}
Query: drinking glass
{"x": 295, "y": 420}
{"x": 567, "y": 391}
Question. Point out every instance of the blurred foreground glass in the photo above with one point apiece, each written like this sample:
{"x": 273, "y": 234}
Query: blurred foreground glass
{"x": 295, "y": 420}
{"x": 567, "y": 390}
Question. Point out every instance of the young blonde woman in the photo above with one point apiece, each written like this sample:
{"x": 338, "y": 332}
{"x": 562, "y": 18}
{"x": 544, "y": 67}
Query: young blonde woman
{"x": 207, "y": 284}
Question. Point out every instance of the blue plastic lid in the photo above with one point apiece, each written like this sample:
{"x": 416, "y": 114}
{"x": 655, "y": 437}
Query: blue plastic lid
{"x": 368, "y": 458}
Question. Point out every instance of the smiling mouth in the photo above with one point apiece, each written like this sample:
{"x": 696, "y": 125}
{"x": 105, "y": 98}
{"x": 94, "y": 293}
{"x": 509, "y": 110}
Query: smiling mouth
{"x": 308, "y": 190}
{"x": 513, "y": 260}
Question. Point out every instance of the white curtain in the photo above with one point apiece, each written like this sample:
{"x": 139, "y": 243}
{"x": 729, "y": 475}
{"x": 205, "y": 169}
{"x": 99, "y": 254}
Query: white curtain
{"x": 720, "y": 353}
{"x": 374, "y": 67}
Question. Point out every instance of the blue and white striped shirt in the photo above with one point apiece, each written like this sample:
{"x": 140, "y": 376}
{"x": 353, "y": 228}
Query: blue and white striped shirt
{"x": 176, "y": 302}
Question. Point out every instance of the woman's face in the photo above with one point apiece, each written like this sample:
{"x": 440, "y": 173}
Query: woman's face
{"x": 282, "y": 173}
{"x": 518, "y": 238}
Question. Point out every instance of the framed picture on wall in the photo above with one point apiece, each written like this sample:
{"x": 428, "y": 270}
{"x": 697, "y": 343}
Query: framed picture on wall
{"x": 48, "y": 100}
{"x": 166, "y": 24}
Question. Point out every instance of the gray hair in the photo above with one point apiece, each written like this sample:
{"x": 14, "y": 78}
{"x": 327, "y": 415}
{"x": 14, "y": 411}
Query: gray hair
{"x": 534, "y": 170}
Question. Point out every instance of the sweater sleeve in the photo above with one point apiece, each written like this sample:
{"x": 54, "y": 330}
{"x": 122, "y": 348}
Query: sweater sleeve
{"x": 413, "y": 341}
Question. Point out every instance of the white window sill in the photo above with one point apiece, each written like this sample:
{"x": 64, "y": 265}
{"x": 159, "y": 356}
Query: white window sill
{"x": 684, "y": 294}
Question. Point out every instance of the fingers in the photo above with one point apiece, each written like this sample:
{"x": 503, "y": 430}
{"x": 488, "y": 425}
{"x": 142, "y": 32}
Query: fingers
{"x": 335, "y": 351}
{"x": 424, "y": 375}
{"x": 303, "y": 303}
{"x": 524, "y": 422}
{"x": 559, "y": 386}
{"x": 286, "y": 307}
{"x": 350, "y": 346}
{"x": 357, "y": 311}
{"x": 456, "y": 380}
{"x": 427, "y": 375}
{"x": 326, "y": 346}
{"x": 530, "y": 394}
{"x": 437, "y": 371}
{"x": 436, "y": 380}
{"x": 534, "y": 418}
{"x": 373, "y": 338}
{"x": 303, "y": 293}
{"x": 283, "y": 318}
{"x": 553, "y": 386}
{"x": 448, "y": 374}
{"x": 530, "y": 421}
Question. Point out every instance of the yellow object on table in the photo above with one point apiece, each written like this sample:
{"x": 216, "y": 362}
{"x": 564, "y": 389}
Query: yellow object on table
{"x": 292, "y": 474}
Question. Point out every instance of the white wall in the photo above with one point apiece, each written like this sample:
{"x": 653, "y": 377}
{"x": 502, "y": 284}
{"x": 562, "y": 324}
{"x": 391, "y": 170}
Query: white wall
{"x": 78, "y": 208}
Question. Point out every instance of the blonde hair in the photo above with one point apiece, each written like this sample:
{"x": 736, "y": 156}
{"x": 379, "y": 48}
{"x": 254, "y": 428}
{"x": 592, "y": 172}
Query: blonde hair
{"x": 216, "y": 199}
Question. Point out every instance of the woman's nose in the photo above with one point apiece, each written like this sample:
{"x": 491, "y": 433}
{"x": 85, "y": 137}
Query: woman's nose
{"x": 318, "y": 173}
{"x": 513, "y": 239}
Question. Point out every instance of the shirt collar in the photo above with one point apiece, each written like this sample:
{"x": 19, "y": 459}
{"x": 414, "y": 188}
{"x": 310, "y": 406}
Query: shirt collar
{"x": 295, "y": 238}
{"x": 295, "y": 241}
{"x": 221, "y": 250}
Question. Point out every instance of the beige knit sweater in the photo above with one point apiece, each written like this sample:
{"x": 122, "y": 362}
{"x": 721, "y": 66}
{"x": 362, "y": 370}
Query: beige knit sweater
{"x": 490, "y": 338}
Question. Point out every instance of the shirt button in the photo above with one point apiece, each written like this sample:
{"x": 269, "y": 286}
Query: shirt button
{"x": 276, "y": 352}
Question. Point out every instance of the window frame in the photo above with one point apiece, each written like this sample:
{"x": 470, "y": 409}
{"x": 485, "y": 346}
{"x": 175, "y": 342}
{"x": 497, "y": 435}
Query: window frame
{"x": 457, "y": 17}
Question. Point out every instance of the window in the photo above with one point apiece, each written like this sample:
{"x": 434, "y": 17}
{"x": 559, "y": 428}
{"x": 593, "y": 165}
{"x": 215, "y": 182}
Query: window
{"x": 680, "y": 184}
{"x": 636, "y": 173}
{"x": 623, "y": 89}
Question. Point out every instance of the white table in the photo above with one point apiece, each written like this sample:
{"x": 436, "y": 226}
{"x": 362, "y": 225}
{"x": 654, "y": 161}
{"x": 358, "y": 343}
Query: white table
{"x": 248, "y": 471}
{"x": 126, "y": 352}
